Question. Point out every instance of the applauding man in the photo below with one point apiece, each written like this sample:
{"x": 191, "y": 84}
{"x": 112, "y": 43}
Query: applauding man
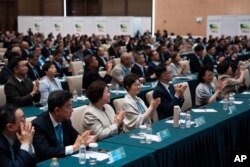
{"x": 55, "y": 136}
{"x": 16, "y": 138}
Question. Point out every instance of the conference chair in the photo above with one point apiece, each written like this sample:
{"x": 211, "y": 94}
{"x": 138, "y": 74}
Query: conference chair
{"x": 247, "y": 78}
{"x": 117, "y": 103}
{"x": 149, "y": 97}
{"x": 76, "y": 118}
{"x": 187, "y": 96}
{"x": 2, "y": 96}
{"x": 75, "y": 82}
{"x": 77, "y": 67}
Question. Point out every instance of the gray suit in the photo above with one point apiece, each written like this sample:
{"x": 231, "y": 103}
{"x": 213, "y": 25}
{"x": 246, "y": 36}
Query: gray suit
{"x": 118, "y": 73}
{"x": 100, "y": 122}
{"x": 133, "y": 117}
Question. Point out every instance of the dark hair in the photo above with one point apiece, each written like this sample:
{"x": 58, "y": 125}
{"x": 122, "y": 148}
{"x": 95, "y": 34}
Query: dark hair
{"x": 202, "y": 73}
{"x": 88, "y": 59}
{"x": 160, "y": 69}
{"x": 14, "y": 62}
{"x": 7, "y": 115}
{"x": 198, "y": 48}
{"x": 223, "y": 67}
{"x": 129, "y": 80}
{"x": 209, "y": 47}
{"x": 32, "y": 55}
{"x": 12, "y": 55}
{"x": 95, "y": 91}
{"x": 46, "y": 66}
{"x": 58, "y": 98}
{"x": 173, "y": 57}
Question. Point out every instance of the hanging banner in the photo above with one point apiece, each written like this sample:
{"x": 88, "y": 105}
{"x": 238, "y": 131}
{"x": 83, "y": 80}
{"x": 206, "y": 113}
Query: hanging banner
{"x": 214, "y": 26}
{"x": 243, "y": 25}
{"x": 57, "y": 26}
{"x": 78, "y": 26}
{"x": 37, "y": 25}
{"x": 124, "y": 27}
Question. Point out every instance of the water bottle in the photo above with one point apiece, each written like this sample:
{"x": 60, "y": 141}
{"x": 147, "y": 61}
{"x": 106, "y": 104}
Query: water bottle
{"x": 82, "y": 154}
{"x": 149, "y": 132}
{"x": 188, "y": 120}
{"x": 231, "y": 99}
{"x": 176, "y": 115}
{"x": 54, "y": 162}
{"x": 182, "y": 120}
{"x": 75, "y": 95}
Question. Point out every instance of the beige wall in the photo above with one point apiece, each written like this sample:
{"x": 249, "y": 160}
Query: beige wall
{"x": 179, "y": 16}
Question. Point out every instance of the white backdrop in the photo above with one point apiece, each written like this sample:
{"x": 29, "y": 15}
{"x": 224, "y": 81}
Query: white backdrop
{"x": 228, "y": 25}
{"x": 84, "y": 25}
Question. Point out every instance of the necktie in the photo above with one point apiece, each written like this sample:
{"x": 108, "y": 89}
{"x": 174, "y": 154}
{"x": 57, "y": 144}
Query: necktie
{"x": 12, "y": 153}
{"x": 35, "y": 72}
{"x": 169, "y": 91}
{"x": 58, "y": 129}
{"x": 126, "y": 71}
{"x": 200, "y": 60}
{"x": 143, "y": 74}
{"x": 140, "y": 107}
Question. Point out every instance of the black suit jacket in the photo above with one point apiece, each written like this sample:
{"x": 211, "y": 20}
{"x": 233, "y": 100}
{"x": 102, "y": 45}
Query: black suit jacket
{"x": 45, "y": 141}
{"x": 151, "y": 68}
{"x": 208, "y": 62}
{"x": 137, "y": 70}
{"x": 100, "y": 61}
{"x": 112, "y": 52}
{"x": 22, "y": 158}
{"x": 194, "y": 64}
{"x": 61, "y": 70}
{"x": 18, "y": 93}
{"x": 5, "y": 74}
{"x": 91, "y": 76}
{"x": 46, "y": 52}
{"x": 31, "y": 75}
{"x": 165, "y": 109}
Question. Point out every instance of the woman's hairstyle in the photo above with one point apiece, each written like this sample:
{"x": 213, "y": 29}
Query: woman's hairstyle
{"x": 223, "y": 67}
{"x": 129, "y": 80}
{"x": 95, "y": 91}
{"x": 202, "y": 73}
{"x": 46, "y": 66}
{"x": 173, "y": 58}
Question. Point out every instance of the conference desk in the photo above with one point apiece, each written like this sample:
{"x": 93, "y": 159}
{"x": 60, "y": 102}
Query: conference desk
{"x": 210, "y": 144}
{"x": 137, "y": 157}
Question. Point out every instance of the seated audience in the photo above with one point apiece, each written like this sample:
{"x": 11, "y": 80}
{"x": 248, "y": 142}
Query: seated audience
{"x": 100, "y": 117}
{"x": 170, "y": 95}
{"x": 91, "y": 72}
{"x": 137, "y": 112}
{"x": 155, "y": 61}
{"x": 54, "y": 135}
{"x": 19, "y": 90}
{"x": 196, "y": 60}
{"x": 176, "y": 68}
{"x": 102, "y": 60}
{"x": 49, "y": 83}
{"x": 34, "y": 71}
{"x": 16, "y": 138}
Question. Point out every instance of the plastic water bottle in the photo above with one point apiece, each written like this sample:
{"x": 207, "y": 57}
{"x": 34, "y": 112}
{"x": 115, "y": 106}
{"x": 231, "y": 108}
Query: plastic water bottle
{"x": 54, "y": 162}
{"x": 182, "y": 120}
{"x": 75, "y": 95}
{"x": 188, "y": 120}
{"x": 176, "y": 115}
{"x": 149, "y": 132}
{"x": 82, "y": 154}
{"x": 231, "y": 99}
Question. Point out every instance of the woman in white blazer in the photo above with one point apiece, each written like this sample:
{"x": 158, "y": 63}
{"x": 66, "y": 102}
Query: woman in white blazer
{"x": 136, "y": 111}
{"x": 99, "y": 116}
{"x": 49, "y": 83}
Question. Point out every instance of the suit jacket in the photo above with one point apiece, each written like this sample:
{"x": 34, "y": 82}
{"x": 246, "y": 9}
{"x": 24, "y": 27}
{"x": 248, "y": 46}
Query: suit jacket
{"x": 137, "y": 70}
{"x": 118, "y": 73}
{"x": 61, "y": 70}
{"x": 46, "y": 86}
{"x": 31, "y": 73}
{"x": 87, "y": 52}
{"x": 18, "y": 93}
{"x": 91, "y": 76}
{"x": 45, "y": 141}
{"x": 151, "y": 68}
{"x": 5, "y": 74}
{"x": 101, "y": 123}
{"x": 22, "y": 157}
{"x": 165, "y": 109}
{"x": 46, "y": 52}
{"x": 133, "y": 117}
{"x": 101, "y": 62}
{"x": 130, "y": 47}
{"x": 208, "y": 62}
{"x": 113, "y": 52}
{"x": 194, "y": 64}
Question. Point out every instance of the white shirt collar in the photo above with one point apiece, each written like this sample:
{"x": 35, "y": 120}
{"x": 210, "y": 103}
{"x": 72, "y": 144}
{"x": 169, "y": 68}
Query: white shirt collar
{"x": 139, "y": 65}
{"x": 53, "y": 120}
{"x": 19, "y": 79}
{"x": 165, "y": 85}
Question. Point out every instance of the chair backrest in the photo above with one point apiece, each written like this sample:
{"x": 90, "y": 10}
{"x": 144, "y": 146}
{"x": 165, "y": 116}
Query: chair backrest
{"x": 188, "y": 99}
{"x": 2, "y": 96}
{"x": 3, "y": 50}
{"x": 186, "y": 63}
{"x": 247, "y": 78}
{"x": 117, "y": 103}
{"x": 116, "y": 61}
{"x": 77, "y": 67}
{"x": 149, "y": 97}
{"x": 102, "y": 73}
{"x": 76, "y": 118}
{"x": 75, "y": 82}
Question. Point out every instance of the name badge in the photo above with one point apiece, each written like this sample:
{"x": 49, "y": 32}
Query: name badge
{"x": 164, "y": 134}
{"x": 116, "y": 155}
{"x": 200, "y": 121}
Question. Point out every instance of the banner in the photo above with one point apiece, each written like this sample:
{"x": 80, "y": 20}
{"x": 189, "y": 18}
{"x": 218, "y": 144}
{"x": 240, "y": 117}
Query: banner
{"x": 214, "y": 26}
{"x": 243, "y": 26}
{"x": 57, "y": 26}
{"x": 38, "y": 25}
{"x": 124, "y": 27}
{"x": 78, "y": 26}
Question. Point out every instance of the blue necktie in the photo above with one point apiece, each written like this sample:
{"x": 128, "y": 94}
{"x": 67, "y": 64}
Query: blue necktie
{"x": 200, "y": 60}
{"x": 126, "y": 71}
{"x": 170, "y": 91}
{"x": 12, "y": 153}
{"x": 59, "y": 135}
{"x": 140, "y": 107}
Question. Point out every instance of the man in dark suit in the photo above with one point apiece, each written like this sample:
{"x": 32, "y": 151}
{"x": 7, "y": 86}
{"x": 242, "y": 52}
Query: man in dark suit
{"x": 34, "y": 71}
{"x": 155, "y": 61}
{"x": 46, "y": 50}
{"x": 102, "y": 61}
{"x": 170, "y": 95}
{"x": 16, "y": 137}
{"x": 19, "y": 90}
{"x": 196, "y": 61}
{"x": 209, "y": 60}
{"x": 54, "y": 134}
{"x": 115, "y": 50}
{"x": 139, "y": 68}
{"x": 88, "y": 50}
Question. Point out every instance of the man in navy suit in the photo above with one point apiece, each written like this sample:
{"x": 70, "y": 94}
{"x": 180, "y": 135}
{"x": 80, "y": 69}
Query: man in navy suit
{"x": 55, "y": 135}
{"x": 16, "y": 137}
{"x": 196, "y": 60}
{"x": 170, "y": 95}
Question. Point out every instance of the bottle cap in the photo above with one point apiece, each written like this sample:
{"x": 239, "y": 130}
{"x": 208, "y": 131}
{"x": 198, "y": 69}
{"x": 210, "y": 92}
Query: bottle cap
{"x": 93, "y": 145}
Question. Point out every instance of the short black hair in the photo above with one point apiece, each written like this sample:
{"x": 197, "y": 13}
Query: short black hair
{"x": 202, "y": 73}
{"x": 160, "y": 69}
{"x": 14, "y": 62}
{"x": 7, "y": 115}
{"x": 198, "y": 48}
{"x": 209, "y": 47}
{"x": 129, "y": 80}
{"x": 58, "y": 98}
{"x": 223, "y": 67}
{"x": 46, "y": 66}
{"x": 95, "y": 91}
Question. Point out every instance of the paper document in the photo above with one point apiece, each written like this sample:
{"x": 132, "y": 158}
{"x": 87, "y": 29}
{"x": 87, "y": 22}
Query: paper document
{"x": 235, "y": 102}
{"x": 204, "y": 110}
{"x": 100, "y": 156}
{"x": 82, "y": 98}
{"x": 245, "y": 93}
{"x": 152, "y": 137}
{"x": 170, "y": 121}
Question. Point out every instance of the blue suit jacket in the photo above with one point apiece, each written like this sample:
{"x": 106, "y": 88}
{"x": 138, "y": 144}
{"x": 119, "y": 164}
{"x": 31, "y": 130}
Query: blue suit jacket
{"x": 45, "y": 141}
{"x": 165, "y": 109}
{"x": 22, "y": 158}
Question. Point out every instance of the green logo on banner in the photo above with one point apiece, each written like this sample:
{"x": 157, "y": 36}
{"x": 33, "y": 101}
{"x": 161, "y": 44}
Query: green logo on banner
{"x": 245, "y": 28}
{"x": 214, "y": 28}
